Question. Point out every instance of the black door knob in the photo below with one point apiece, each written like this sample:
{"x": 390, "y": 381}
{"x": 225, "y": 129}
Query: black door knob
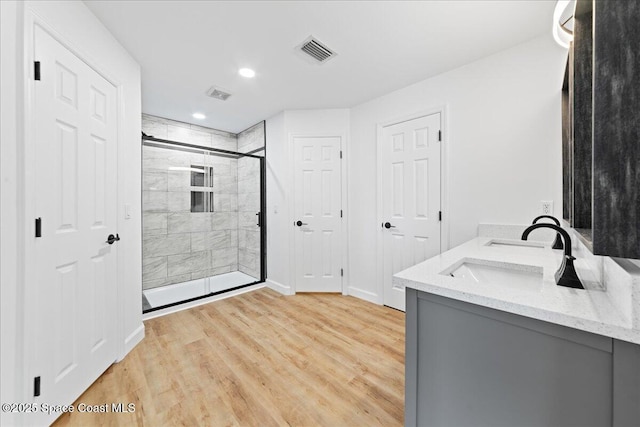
{"x": 300, "y": 223}
{"x": 111, "y": 238}
{"x": 388, "y": 225}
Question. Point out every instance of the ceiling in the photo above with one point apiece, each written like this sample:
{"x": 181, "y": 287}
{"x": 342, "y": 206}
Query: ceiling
{"x": 185, "y": 47}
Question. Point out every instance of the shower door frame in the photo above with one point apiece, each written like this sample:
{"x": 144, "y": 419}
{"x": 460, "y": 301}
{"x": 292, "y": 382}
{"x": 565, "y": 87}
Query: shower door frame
{"x": 261, "y": 215}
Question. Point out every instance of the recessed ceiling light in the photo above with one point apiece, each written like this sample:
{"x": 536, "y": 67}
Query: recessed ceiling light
{"x": 199, "y": 116}
{"x": 246, "y": 72}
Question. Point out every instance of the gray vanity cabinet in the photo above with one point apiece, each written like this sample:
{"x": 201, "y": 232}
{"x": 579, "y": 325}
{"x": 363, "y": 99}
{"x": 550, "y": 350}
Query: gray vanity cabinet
{"x": 468, "y": 365}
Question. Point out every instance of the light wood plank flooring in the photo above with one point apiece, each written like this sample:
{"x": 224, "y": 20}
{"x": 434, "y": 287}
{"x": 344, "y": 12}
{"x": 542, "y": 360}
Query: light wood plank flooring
{"x": 261, "y": 359}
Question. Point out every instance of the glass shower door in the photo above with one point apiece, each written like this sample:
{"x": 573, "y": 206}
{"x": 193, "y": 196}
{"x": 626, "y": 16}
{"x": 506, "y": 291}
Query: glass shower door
{"x": 201, "y": 209}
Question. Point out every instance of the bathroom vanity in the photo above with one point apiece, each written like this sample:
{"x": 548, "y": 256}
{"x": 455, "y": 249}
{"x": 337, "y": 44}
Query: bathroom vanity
{"x": 493, "y": 341}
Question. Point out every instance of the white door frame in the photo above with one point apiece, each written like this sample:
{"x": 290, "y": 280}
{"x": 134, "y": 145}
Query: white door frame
{"x": 28, "y": 185}
{"x": 343, "y": 199}
{"x": 444, "y": 185}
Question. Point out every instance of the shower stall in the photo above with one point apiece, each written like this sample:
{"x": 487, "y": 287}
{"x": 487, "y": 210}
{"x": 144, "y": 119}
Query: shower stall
{"x": 203, "y": 212}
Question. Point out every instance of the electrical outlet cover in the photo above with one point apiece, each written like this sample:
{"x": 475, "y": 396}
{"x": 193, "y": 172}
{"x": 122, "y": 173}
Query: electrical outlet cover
{"x": 547, "y": 207}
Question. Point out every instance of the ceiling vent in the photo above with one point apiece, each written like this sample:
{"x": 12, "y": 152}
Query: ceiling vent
{"x": 313, "y": 48}
{"x": 217, "y": 93}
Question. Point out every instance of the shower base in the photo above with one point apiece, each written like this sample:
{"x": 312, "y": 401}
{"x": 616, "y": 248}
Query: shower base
{"x": 172, "y": 294}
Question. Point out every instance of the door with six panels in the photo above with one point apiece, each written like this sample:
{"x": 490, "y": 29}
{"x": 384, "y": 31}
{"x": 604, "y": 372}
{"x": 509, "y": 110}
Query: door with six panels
{"x": 410, "y": 199}
{"x": 75, "y": 132}
{"x": 318, "y": 221}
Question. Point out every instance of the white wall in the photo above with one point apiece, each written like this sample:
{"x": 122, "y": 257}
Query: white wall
{"x": 71, "y": 21}
{"x": 280, "y": 129}
{"x": 502, "y": 133}
{"x": 277, "y": 205}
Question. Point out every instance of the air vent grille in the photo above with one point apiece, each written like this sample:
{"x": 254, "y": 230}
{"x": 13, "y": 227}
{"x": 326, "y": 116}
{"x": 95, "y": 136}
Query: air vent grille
{"x": 316, "y": 50}
{"x": 217, "y": 93}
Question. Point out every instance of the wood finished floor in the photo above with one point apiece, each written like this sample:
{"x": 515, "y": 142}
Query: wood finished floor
{"x": 260, "y": 359}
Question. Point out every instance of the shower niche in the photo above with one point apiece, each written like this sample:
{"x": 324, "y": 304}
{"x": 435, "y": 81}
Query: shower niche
{"x": 203, "y": 211}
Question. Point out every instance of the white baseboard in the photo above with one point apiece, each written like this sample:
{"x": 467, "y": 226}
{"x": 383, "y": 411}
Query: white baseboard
{"x": 365, "y": 295}
{"x": 279, "y": 287}
{"x": 132, "y": 340}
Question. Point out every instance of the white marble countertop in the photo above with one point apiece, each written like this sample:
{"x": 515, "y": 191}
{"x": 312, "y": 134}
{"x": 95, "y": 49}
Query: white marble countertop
{"x": 593, "y": 309}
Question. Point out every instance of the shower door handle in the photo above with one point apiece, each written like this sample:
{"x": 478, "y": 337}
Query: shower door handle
{"x": 259, "y": 224}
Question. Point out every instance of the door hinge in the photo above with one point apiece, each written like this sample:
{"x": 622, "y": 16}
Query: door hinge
{"x": 38, "y": 227}
{"x": 36, "y": 386}
{"x": 340, "y": 213}
{"x": 340, "y": 153}
{"x": 36, "y": 70}
{"x": 439, "y": 215}
{"x": 439, "y": 135}
{"x": 341, "y": 272}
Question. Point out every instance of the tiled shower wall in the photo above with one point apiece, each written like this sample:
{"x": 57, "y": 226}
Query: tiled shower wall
{"x": 249, "y": 199}
{"x": 179, "y": 245}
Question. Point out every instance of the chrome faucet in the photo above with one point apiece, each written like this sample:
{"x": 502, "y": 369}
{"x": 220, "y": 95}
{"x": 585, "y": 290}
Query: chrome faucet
{"x": 557, "y": 244}
{"x": 566, "y": 274}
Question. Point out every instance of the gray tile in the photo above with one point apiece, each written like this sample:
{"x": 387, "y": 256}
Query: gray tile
{"x": 233, "y": 202}
{"x": 187, "y": 263}
{"x": 179, "y": 201}
{"x": 209, "y": 240}
{"x": 154, "y": 201}
{"x": 224, "y": 221}
{"x": 179, "y": 222}
{"x": 198, "y": 159}
{"x": 168, "y": 121}
{"x": 247, "y": 219}
{"x": 178, "y": 160}
{"x": 221, "y": 203}
{"x": 213, "y": 131}
{"x": 154, "y": 159}
{"x": 226, "y": 256}
{"x": 211, "y": 272}
{"x": 154, "y": 268}
{"x": 179, "y": 180}
{"x": 187, "y": 222}
{"x": 223, "y": 169}
{"x": 154, "y": 127}
{"x": 253, "y": 240}
{"x": 249, "y": 184}
{"x": 154, "y": 232}
{"x": 190, "y": 136}
{"x": 247, "y": 259}
{"x": 242, "y": 238}
{"x": 155, "y": 246}
{"x": 249, "y": 240}
{"x": 154, "y": 221}
{"x": 233, "y": 238}
{"x": 154, "y": 180}
{"x": 213, "y": 160}
{"x": 223, "y": 143}
{"x": 201, "y": 221}
{"x": 225, "y": 183}
{"x": 248, "y": 202}
{"x": 164, "y": 282}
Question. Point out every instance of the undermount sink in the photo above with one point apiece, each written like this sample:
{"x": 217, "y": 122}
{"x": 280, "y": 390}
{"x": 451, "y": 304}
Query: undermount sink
{"x": 487, "y": 272}
{"x": 524, "y": 244}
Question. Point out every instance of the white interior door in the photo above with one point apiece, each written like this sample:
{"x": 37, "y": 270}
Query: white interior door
{"x": 75, "y": 131}
{"x": 410, "y": 198}
{"x": 318, "y": 225}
